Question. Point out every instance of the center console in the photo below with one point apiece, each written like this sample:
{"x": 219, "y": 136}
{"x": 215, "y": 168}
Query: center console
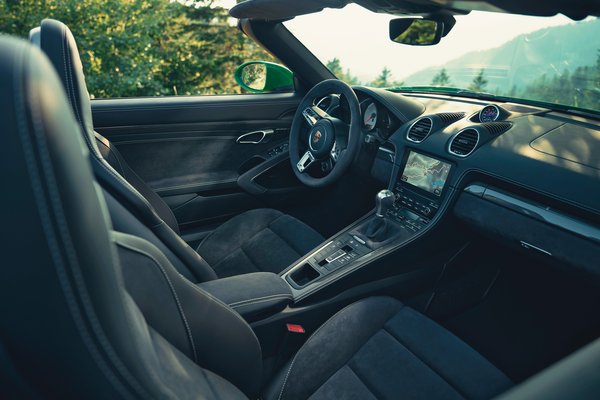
{"x": 415, "y": 198}
{"x": 419, "y": 190}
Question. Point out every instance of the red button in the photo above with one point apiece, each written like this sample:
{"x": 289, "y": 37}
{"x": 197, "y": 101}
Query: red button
{"x": 295, "y": 328}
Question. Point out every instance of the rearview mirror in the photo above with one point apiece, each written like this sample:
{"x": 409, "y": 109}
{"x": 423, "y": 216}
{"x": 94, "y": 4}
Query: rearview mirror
{"x": 420, "y": 31}
{"x": 264, "y": 76}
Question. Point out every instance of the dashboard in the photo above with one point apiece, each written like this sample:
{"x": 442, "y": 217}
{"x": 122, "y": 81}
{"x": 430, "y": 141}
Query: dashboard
{"x": 525, "y": 175}
{"x": 538, "y": 150}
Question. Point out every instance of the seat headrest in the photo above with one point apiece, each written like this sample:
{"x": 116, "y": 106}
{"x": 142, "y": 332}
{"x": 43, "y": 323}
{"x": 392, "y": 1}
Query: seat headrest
{"x": 56, "y": 40}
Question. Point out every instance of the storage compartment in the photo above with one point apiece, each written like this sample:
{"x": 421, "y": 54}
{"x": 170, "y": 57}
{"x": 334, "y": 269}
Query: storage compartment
{"x": 554, "y": 236}
{"x": 303, "y": 275}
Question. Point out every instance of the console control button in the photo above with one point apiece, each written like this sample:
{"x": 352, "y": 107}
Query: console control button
{"x": 335, "y": 256}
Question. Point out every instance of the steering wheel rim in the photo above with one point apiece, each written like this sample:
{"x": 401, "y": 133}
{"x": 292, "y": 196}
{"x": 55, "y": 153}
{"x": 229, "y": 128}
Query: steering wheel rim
{"x": 322, "y": 131}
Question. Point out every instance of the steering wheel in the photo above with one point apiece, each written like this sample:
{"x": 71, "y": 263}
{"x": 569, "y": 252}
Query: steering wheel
{"x": 328, "y": 140}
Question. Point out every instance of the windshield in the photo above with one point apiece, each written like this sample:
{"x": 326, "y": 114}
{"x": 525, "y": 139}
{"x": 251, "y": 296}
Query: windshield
{"x": 545, "y": 59}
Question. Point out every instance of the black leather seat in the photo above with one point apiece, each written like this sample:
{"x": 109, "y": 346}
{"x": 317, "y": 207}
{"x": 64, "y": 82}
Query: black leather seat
{"x": 72, "y": 326}
{"x": 258, "y": 240}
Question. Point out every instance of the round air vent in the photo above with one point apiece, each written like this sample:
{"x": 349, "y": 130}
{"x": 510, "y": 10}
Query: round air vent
{"x": 419, "y": 130}
{"x": 464, "y": 142}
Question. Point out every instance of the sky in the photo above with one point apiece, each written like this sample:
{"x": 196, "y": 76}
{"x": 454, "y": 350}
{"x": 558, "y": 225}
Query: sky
{"x": 359, "y": 38}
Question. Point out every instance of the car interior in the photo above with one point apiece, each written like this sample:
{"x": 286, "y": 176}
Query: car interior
{"x": 334, "y": 241}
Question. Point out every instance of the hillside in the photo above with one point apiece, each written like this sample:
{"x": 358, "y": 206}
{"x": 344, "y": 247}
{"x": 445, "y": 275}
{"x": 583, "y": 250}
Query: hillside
{"x": 524, "y": 58}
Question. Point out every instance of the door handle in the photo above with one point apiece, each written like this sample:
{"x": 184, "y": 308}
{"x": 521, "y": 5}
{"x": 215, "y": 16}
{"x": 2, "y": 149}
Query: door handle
{"x": 255, "y": 137}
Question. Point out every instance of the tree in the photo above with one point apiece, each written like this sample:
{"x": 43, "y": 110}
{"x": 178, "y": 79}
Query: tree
{"x": 579, "y": 88}
{"x": 479, "y": 82}
{"x": 144, "y": 47}
{"x": 335, "y": 66}
{"x": 441, "y": 78}
{"x": 384, "y": 80}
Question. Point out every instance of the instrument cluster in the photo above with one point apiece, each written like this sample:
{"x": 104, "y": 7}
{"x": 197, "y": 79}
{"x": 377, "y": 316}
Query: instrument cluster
{"x": 377, "y": 119}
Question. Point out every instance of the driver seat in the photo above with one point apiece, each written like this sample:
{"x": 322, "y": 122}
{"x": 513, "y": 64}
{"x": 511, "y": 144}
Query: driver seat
{"x": 261, "y": 240}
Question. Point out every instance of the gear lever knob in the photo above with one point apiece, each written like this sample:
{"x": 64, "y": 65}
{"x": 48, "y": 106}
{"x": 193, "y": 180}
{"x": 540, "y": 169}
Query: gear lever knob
{"x": 384, "y": 202}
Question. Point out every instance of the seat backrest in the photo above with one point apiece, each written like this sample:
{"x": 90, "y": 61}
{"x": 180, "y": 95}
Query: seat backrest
{"x": 69, "y": 328}
{"x": 111, "y": 170}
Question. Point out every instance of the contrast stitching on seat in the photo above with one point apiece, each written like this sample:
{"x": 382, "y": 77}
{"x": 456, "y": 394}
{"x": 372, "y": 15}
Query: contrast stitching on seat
{"x": 172, "y": 289}
{"x": 109, "y": 146}
{"x": 262, "y": 300}
{"x": 309, "y": 339}
{"x": 44, "y": 209}
{"x": 434, "y": 370}
{"x": 65, "y": 70}
{"x": 70, "y": 70}
{"x": 223, "y": 305}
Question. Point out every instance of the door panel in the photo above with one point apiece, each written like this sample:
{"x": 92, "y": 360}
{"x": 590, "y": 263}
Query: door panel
{"x": 186, "y": 149}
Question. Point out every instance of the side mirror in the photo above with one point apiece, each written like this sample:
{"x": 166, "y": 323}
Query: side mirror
{"x": 263, "y": 76}
{"x": 421, "y": 31}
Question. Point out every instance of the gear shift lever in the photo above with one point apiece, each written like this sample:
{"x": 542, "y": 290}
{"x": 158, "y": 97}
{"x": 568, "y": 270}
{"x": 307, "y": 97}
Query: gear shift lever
{"x": 377, "y": 228}
{"x": 384, "y": 201}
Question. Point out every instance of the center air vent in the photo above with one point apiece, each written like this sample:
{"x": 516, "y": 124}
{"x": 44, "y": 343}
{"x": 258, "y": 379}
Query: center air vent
{"x": 450, "y": 117}
{"x": 419, "y": 130}
{"x": 464, "y": 142}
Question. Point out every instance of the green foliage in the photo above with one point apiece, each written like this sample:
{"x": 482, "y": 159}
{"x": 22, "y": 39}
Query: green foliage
{"x": 479, "y": 82}
{"x": 335, "y": 67}
{"x": 144, "y": 47}
{"x": 384, "y": 80}
{"x": 441, "y": 78}
{"x": 579, "y": 89}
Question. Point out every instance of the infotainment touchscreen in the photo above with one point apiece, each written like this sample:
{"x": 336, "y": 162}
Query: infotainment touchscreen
{"x": 426, "y": 173}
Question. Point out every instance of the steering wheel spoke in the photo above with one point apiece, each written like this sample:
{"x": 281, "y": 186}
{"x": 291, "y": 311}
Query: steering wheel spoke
{"x": 305, "y": 161}
{"x": 335, "y": 152}
{"x": 313, "y": 114}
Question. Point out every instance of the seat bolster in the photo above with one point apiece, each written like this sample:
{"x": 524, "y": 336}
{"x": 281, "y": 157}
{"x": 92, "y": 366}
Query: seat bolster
{"x": 180, "y": 254}
{"x": 199, "y": 325}
{"x": 330, "y": 347}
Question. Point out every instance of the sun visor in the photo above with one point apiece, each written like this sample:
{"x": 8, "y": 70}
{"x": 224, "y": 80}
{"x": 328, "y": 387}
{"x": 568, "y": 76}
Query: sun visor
{"x": 281, "y": 9}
